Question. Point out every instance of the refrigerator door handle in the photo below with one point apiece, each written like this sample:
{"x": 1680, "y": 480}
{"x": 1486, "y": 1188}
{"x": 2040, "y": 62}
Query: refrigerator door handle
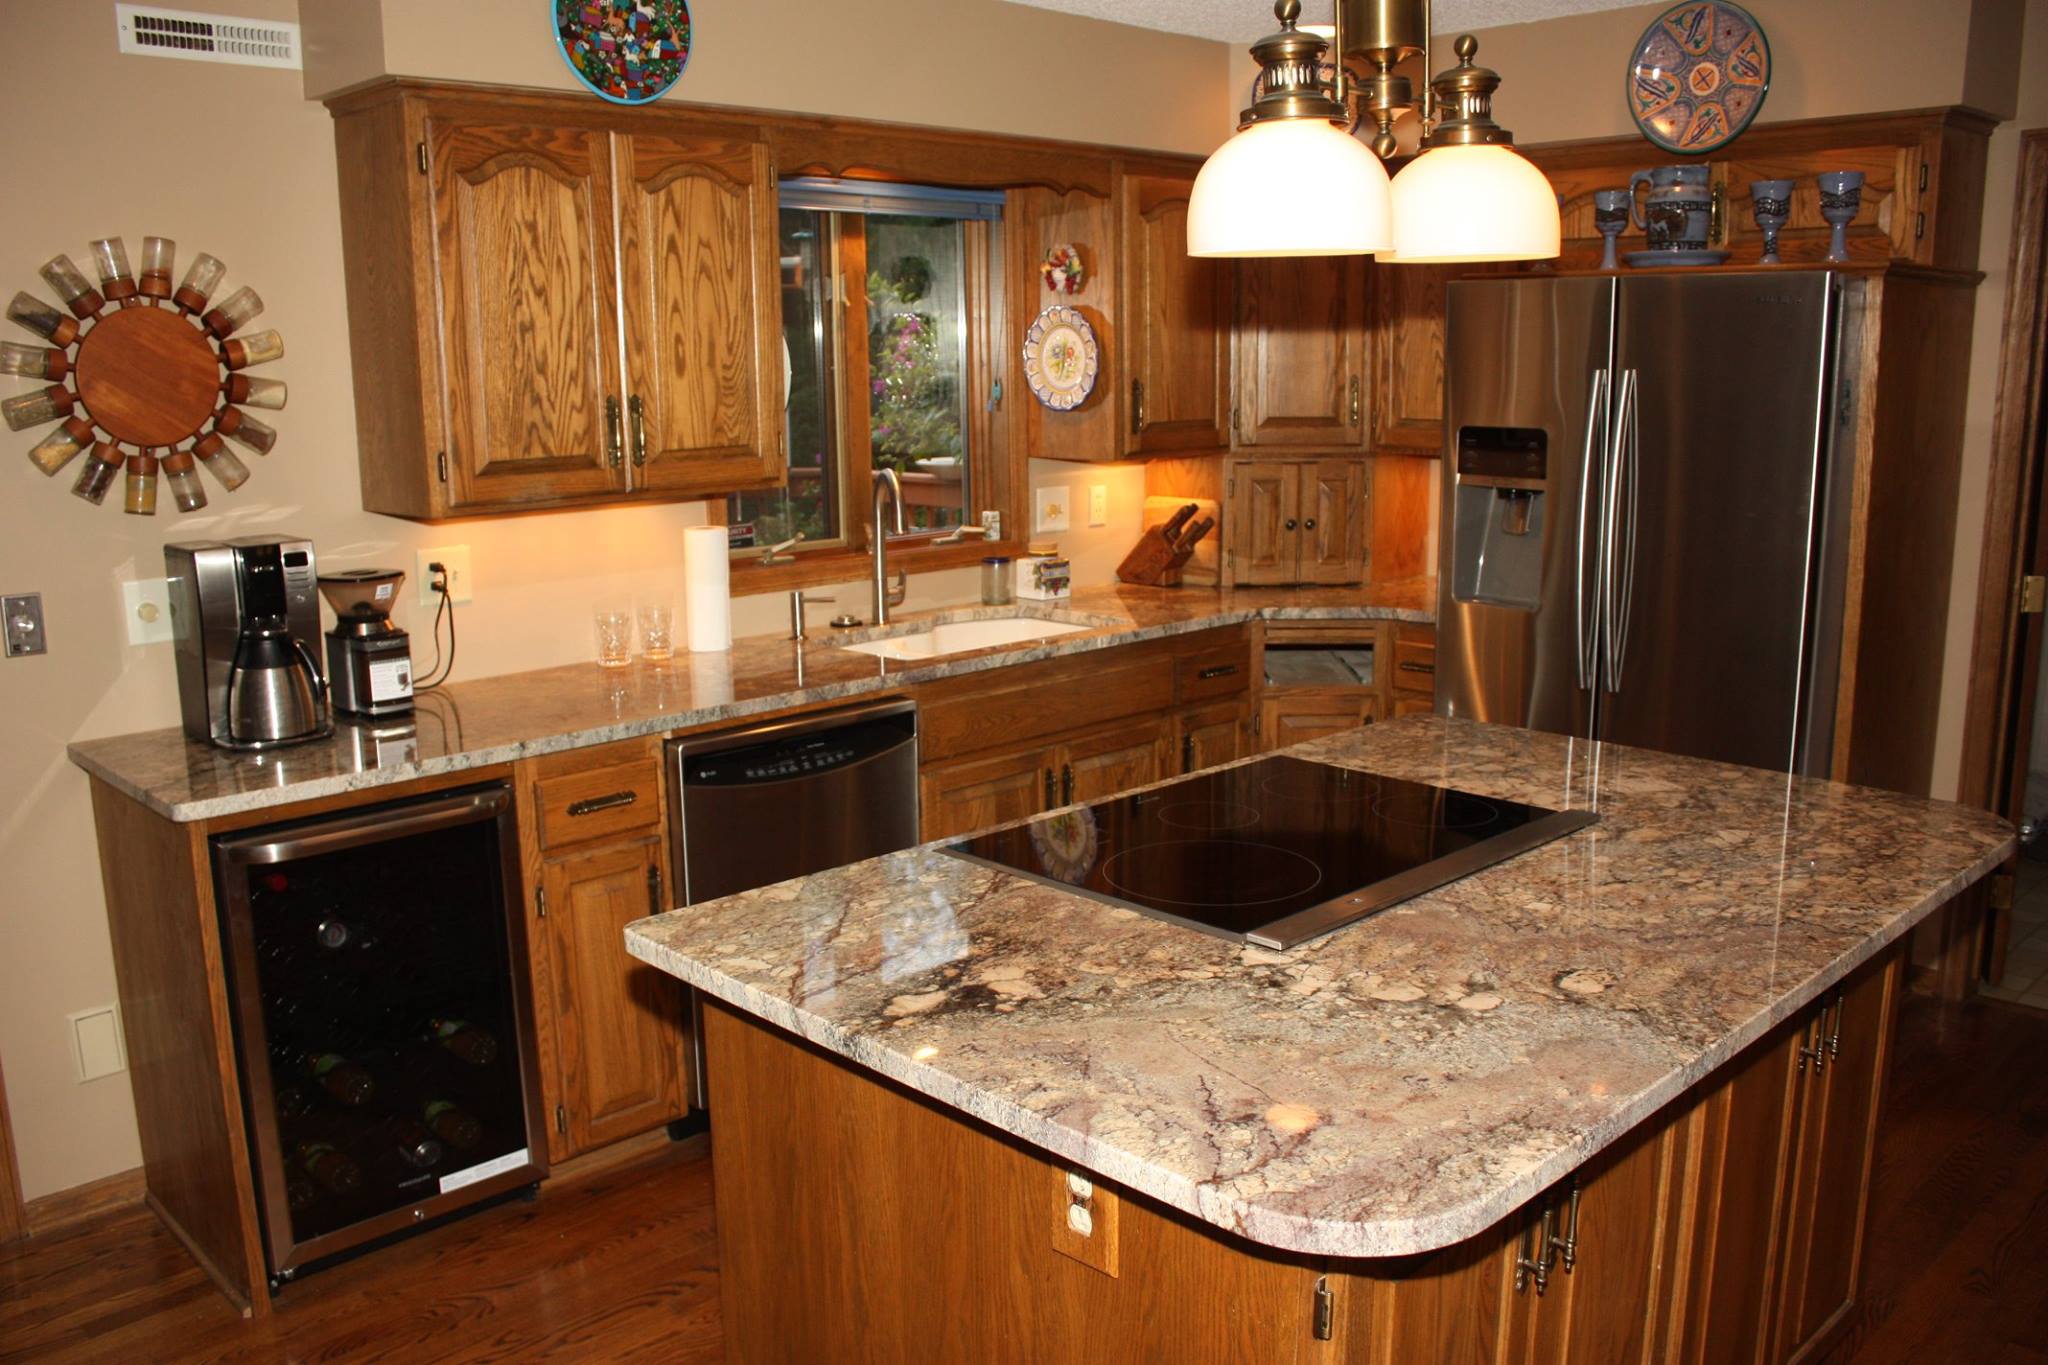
{"x": 1596, "y": 420}
{"x": 1618, "y": 529}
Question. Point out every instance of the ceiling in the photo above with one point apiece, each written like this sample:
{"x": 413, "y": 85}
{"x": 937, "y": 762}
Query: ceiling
{"x": 1240, "y": 21}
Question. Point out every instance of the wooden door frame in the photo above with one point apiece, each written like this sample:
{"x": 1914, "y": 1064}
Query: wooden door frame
{"x": 2013, "y": 532}
{"x": 13, "y": 1218}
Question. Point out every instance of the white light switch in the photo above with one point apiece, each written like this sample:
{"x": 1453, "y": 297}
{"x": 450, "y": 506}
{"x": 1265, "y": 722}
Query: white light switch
{"x": 146, "y": 607}
{"x": 96, "y": 1043}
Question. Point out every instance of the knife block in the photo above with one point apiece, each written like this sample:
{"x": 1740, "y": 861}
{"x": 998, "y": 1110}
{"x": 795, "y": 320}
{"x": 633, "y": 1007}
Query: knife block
{"x": 1205, "y": 570}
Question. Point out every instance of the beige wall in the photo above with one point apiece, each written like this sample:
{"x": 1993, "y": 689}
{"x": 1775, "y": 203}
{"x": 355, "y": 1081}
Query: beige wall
{"x": 237, "y": 161}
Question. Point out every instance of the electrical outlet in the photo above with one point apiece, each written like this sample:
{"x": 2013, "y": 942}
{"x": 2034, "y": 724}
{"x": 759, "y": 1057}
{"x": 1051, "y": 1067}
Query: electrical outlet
{"x": 146, "y": 607}
{"x": 456, "y": 559}
{"x": 96, "y": 1046}
{"x": 1050, "y": 504}
{"x": 1098, "y": 504}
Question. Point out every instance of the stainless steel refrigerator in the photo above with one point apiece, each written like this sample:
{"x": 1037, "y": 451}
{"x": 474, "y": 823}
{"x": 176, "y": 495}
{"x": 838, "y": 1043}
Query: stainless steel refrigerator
{"x": 1638, "y": 537}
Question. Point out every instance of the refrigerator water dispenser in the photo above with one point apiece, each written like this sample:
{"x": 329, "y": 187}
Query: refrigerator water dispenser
{"x": 1498, "y": 517}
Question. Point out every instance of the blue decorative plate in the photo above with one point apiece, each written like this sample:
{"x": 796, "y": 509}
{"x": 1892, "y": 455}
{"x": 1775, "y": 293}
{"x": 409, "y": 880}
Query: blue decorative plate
{"x": 1698, "y": 76}
{"x": 626, "y": 51}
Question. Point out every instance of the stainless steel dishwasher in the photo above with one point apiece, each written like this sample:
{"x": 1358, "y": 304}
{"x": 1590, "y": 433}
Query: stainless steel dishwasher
{"x": 761, "y": 805}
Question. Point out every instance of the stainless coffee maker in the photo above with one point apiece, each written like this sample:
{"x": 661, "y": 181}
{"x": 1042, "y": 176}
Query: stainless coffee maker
{"x": 244, "y": 614}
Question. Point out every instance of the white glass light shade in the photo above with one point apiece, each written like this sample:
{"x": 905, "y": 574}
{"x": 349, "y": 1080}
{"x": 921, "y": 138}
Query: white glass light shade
{"x": 1477, "y": 203}
{"x": 1290, "y": 187}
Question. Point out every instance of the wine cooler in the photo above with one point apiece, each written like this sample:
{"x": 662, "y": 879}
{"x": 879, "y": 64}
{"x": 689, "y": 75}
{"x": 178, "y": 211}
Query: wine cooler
{"x": 378, "y": 978}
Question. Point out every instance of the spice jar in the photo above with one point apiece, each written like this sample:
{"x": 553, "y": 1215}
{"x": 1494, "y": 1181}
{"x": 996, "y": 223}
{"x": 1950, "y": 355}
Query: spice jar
{"x": 43, "y": 319}
{"x": 259, "y": 349}
{"x": 110, "y": 259}
{"x": 141, "y": 499}
{"x": 157, "y": 257}
{"x": 234, "y": 312}
{"x": 54, "y": 451}
{"x": 202, "y": 277}
{"x": 186, "y": 490}
{"x": 254, "y": 393}
{"x": 37, "y": 362}
{"x": 240, "y": 427}
{"x": 81, "y": 298}
{"x": 26, "y": 410}
{"x": 225, "y": 466}
{"x": 996, "y": 586}
{"x": 102, "y": 463}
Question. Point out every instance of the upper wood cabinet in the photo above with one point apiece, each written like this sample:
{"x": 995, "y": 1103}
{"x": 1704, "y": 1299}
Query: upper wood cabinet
{"x": 1300, "y": 353}
{"x": 1408, "y": 358}
{"x": 1176, "y": 326}
{"x": 548, "y": 310}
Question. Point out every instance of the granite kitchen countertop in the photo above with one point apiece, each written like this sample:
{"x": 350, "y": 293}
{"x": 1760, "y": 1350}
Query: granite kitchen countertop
{"x": 1403, "y": 1083}
{"x": 496, "y": 720}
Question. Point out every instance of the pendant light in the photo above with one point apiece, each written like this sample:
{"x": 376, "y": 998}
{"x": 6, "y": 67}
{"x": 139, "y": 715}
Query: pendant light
{"x": 1293, "y": 181}
{"x": 1469, "y": 196}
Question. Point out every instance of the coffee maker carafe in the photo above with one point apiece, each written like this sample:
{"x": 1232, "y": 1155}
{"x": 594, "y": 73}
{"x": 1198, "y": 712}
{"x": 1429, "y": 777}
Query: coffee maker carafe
{"x": 243, "y": 612}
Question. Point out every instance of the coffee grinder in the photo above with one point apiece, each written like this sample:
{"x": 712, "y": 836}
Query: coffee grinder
{"x": 369, "y": 660}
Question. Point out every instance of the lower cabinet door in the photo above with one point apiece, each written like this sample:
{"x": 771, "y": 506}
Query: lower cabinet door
{"x": 1110, "y": 761}
{"x": 1262, "y": 522}
{"x": 1333, "y": 521}
{"x": 1208, "y": 735}
{"x": 1293, "y": 715}
{"x": 618, "y": 1024}
{"x": 968, "y": 794}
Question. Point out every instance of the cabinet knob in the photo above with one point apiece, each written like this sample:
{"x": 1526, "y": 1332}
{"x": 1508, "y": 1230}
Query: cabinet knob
{"x": 1288, "y": 524}
{"x": 1309, "y": 525}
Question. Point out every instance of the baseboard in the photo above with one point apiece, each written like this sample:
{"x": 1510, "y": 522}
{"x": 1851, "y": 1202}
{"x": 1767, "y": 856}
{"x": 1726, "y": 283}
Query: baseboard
{"x": 48, "y": 1212}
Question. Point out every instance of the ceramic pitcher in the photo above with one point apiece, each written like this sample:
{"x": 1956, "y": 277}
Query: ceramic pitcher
{"x": 1677, "y": 214}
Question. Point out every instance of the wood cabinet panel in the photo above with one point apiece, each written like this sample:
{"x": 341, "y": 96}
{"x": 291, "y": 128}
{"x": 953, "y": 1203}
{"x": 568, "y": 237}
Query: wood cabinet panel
{"x": 617, "y": 1022}
{"x": 1042, "y": 701}
{"x": 974, "y": 793}
{"x": 1263, "y": 513}
{"x": 1333, "y": 522}
{"x": 1300, "y": 352}
{"x": 1111, "y": 761}
{"x": 702, "y": 312}
{"x": 1175, "y": 327}
{"x": 599, "y": 803}
{"x": 1296, "y": 521}
{"x": 1453, "y": 1306}
{"x": 1205, "y": 736}
{"x": 1408, "y": 357}
{"x": 1035, "y": 220}
{"x": 1294, "y": 715}
{"x": 522, "y": 220}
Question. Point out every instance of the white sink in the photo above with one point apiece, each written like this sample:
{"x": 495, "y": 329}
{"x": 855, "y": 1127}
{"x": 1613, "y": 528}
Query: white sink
{"x": 958, "y": 637}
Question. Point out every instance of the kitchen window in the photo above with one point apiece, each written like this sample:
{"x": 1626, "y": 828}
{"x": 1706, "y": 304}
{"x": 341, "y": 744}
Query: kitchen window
{"x": 888, "y": 291}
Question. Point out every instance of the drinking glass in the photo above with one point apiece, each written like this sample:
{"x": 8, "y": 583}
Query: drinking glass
{"x": 657, "y": 630}
{"x": 1841, "y": 195}
{"x": 1610, "y": 217}
{"x": 1771, "y": 202}
{"x": 614, "y": 636}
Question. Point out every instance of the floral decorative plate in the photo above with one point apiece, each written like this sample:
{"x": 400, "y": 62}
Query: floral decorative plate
{"x": 1698, "y": 76}
{"x": 627, "y": 51}
{"x": 1061, "y": 358}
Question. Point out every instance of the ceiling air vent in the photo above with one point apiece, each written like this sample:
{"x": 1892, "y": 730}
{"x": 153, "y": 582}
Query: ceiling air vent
{"x": 152, "y": 31}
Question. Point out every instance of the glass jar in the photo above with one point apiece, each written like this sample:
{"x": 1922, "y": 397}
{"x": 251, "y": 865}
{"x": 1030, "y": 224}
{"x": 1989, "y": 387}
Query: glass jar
{"x": 225, "y": 466}
{"x": 110, "y": 259}
{"x": 102, "y": 463}
{"x": 141, "y": 499}
{"x": 81, "y": 298}
{"x": 260, "y": 349}
{"x": 158, "y": 255}
{"x": 186, "y": 490}
{"x": 255, "y": 393}
{"x": 997, "y": 585}
{"x": 37, "y": 362}
{"x": 43, "y": 319}
{"x": 234, "y": 312}
{"x": 202, "y": 277}
{"x": 240, "y": 427}
{"x": 26, "y": 410}
{"x": 54, "y": 451}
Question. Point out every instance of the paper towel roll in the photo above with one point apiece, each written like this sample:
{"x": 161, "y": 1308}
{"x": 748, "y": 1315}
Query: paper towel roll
{"x": 707, "y": 599}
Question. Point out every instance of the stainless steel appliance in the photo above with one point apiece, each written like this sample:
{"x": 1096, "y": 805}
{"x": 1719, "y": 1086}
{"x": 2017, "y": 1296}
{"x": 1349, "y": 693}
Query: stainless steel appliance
{"x": 1274, "y": 852}
{"x": 369, "y": 660}
{"x": 761, "y": 805}
{"x": 1640, "y": 517}
{"x": 377, "y": 978}
{"x": 244, "y": 616}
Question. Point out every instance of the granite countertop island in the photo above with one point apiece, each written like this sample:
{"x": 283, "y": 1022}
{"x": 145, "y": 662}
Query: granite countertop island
{"x": 1396, "y": 1086}
{"x": 497, "y": 720}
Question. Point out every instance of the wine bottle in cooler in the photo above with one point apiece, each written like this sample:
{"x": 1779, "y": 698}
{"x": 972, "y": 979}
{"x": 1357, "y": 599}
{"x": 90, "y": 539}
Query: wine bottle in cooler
{"x": 464, "y": 1040}
{"x": 348, "y": 1082}
{"x": 331, "y": 1167}
{"x": 453, "y": 1124}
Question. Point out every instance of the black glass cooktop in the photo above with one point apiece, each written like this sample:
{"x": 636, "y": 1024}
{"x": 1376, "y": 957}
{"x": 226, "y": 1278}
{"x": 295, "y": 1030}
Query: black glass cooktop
{"x": 1274, "y": 852}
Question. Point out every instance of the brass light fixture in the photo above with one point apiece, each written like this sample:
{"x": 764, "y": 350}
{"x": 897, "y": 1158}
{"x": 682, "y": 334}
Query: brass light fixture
{"x": 1467, "y": 195}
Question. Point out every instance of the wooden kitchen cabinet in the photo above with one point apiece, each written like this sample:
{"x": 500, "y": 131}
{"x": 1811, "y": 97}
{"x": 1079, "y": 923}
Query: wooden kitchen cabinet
{"x": 1176, "y": 326}
{"x": 611, "y": 1032}
{"x": 1408, "y": 358}
{"x": 1205, "y": 736}
{"x": 1299, "y": 353}
{"x": 1113, "y": 760}
{"x": 974, "y": 793}
{"x": 495, "y": 250}
{"x": 1295, "y": 715}
{"x": 1296, "y": 521}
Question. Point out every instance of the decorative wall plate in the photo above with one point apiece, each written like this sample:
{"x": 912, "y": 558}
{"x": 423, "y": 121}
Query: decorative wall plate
{"x": 1066, "y": 844}
{"x": 1061, "y": 358}
{"x": 1062, "y": 269}
{"x": 151, "y": 367}
{"x": 1698, "y": 76}
{"x": 626, "y": 51}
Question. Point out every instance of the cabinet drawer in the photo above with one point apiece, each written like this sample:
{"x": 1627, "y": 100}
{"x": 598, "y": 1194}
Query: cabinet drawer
{"x": 1057, "y": 701}
{"x": 1221, "y": 670}
{"x": 589, "y": 805}
{"x": 1414, "y": 660}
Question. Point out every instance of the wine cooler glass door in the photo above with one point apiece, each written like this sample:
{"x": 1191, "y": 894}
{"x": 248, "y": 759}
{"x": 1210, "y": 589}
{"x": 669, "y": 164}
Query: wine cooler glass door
{"x": 377, "y": 969}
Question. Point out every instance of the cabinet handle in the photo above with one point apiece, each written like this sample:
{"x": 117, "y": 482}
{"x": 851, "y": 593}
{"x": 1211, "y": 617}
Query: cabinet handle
{"x": 1217, "y": 671}
{"x": 1066, "y": 784}
{"x": 612, "y": 442}
{"x": 1288, "y": 524}
{"x": 1137, "y": 407}
{"x": 1815, "y": 1052}
{"x": 1533, "y": 1265}
{"x": 1357, "y": 403}
{"x": 1835, "y": 1034}
{"x": 1568, "y": 1245}
{"x": 1187, "y": 753}
{"x": 592, "y": 805}
{"x": 654, "y": 905}
{"x": 1416, "y": 666}
{"x": 639, "y": 413}
{"x": 1051, "y": 792}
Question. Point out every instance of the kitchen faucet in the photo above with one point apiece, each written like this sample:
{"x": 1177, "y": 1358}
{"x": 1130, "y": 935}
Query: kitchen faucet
{"x": 885, "y": 595}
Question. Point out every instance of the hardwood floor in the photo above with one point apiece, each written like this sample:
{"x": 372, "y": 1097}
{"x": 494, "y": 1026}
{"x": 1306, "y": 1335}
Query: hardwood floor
{"x": 620, "y": 1264}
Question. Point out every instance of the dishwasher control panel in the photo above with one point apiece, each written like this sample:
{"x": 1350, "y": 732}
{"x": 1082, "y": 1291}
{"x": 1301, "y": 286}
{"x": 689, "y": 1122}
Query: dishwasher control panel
{"x": 796, "y": 756}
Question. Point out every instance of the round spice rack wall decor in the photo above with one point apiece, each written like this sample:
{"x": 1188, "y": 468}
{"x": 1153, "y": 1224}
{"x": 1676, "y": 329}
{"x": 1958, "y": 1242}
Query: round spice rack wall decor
{"x": 158, "y": 370}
